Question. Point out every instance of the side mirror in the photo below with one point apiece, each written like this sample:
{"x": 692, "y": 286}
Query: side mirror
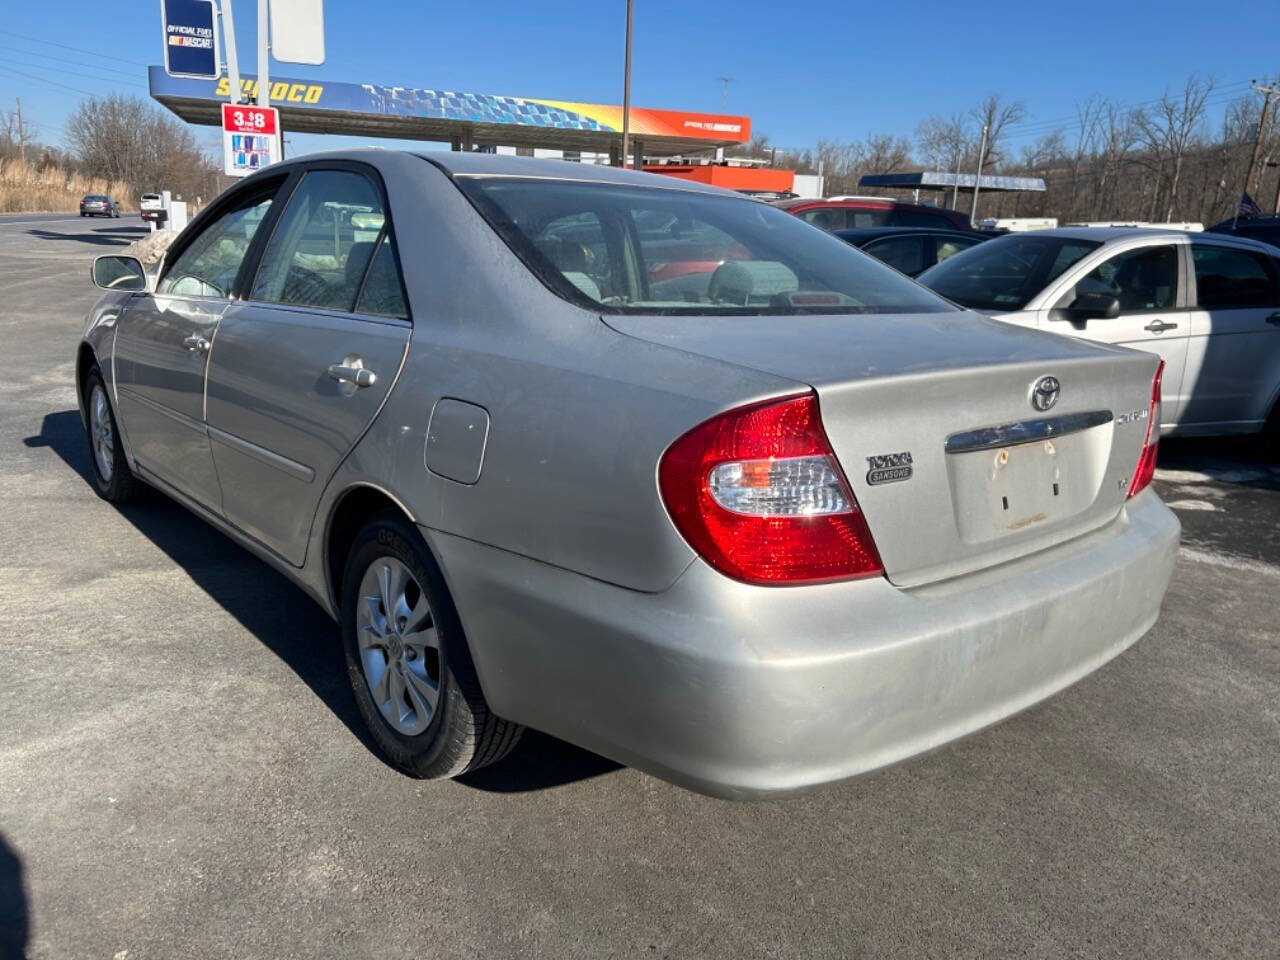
{"x": 1094, "y": 306}
{"x": 119, "y": 273}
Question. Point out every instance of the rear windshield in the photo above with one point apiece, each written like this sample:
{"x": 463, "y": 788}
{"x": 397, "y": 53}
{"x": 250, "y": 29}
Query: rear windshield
{"x": 95, "y": 196}
{"x": 625, "y": 249}
{"x": 1005, "y": 273}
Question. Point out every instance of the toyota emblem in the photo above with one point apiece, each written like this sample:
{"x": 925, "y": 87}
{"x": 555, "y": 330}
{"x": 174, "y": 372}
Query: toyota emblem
{"x": 1044, "y": 393}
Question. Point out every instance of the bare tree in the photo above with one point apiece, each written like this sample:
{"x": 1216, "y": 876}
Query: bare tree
{"x": 995, "y": 116}
{"x": 1167, "y": 130}
{"x": 126, "y": 138}
{"x": 946, "y": 144}
{"x": 1088, "y": 120}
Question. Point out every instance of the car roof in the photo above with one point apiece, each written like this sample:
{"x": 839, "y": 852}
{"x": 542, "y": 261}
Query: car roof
{"x": 873, "y": 233}
{"x": 498, "y": 165}
{"x": 846, "y": 202}
{"x": 1110, "y": 235}
{"x": 461, "y": 164}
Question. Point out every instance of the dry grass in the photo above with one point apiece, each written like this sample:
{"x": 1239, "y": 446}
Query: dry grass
{"x": 23, "y": 189}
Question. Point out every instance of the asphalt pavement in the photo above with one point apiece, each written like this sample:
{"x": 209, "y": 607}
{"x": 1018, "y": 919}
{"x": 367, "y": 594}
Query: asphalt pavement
{"x": 183, "y": 774}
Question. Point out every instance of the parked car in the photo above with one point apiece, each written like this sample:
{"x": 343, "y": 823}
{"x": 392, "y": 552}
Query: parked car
{"x": 760, "y": 525}
{"x": 1207, "y": 305}
{"x": 98, "y": 205}
{"x": 151, "y": 207}
{"x": 911, "y": 250}
{"x": 1262, "y": 229}
{"x": 848, "y": 213}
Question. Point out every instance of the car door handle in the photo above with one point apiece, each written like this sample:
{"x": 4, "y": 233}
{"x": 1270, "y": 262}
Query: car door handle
{"x": 357, "y": 376}
{"x": 196, "y": 343}
{"x": 1274, "y": 319}
{"x": 1159, "y": 326}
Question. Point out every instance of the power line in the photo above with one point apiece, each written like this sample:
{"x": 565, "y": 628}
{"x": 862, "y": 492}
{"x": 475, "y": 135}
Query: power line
{"x": 78, "y": 63}
{"x": 74, "y": 73}
{"x": 53, "y": 83}
{"x": 1221, "y": 94}
{"x": 92, "y": 53}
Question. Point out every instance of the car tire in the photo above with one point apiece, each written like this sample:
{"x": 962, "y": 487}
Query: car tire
{"x": 398, "y": 663}
{"x": 112, "y": 478}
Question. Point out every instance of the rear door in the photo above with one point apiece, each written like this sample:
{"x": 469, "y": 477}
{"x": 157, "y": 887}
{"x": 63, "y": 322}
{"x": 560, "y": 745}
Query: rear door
{"x": 303, "y": 364}
{"x": 163, "y": 340}
{"x": 1233, "y": 364}
{"x": 1148, "y": 281}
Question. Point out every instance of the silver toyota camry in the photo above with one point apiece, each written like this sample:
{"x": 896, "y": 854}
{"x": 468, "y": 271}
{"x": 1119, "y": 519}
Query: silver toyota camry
{"x": 654, "y": 468}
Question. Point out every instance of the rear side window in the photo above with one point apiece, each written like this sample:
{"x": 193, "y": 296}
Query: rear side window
{"x": 622, "y": 249}
{"x": 207, "y": 267}
{"x": 905, "y": 254}
{"x": 324, "y": 242}
{"x": 1227, "y": 278}
{"x": 383, "y": 292}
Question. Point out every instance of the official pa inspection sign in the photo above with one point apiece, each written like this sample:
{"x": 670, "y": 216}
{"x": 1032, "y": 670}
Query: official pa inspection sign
{"x": 191, "y": 47}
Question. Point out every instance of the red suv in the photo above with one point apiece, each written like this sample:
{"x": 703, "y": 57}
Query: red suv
{"x": 843, "y": 213}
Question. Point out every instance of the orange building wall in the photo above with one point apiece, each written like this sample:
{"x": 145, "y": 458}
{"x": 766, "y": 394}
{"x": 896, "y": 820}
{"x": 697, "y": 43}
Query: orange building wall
{"x": 730, "y": 178}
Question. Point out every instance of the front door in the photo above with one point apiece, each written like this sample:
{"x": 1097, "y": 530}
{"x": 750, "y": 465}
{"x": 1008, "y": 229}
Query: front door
{"x": 1233, "y": 364}
{"x": 162, "y": 351}
{"x": 303, "y": 363}
{"x": 1153, "y": 314}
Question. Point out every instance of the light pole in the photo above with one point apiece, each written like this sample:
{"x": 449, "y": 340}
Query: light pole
{"x": 626, "y": 94}
{"x": 982, "y": 149}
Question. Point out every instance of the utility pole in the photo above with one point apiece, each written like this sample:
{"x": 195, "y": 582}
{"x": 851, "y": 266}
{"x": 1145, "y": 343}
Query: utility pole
{"x": 724, "y": 91}
{"x": 626, "y": 94}
{"x": 22, "y": 132}
{"x": 1268, "y": 92}
{"x": 982, "y": 151}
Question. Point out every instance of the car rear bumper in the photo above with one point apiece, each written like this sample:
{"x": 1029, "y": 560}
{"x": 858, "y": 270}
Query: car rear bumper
{"x": 742, "y": 691}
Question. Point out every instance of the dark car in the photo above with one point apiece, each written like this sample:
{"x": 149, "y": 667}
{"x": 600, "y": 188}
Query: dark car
{"x": 98, "y": 205}
{"x": 841, "y": 213}
{"x": 1262, "y": 229}
{"x": 911, "y": 250}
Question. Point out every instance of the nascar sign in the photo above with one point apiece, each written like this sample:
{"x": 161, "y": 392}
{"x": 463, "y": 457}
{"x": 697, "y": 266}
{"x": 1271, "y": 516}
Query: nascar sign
{"x": 250, "y": 138}
{"x": 191, "y": 38}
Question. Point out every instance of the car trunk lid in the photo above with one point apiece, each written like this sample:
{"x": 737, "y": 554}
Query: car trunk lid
{"x": 932, "y": 419}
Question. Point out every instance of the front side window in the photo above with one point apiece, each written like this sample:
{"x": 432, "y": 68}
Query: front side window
{"x": 1005, "y": 273}
{"x": 1142, "y": 279}
{"x": 209, "y": 264}
{"x": 1228, "y": 278}
{"x": 624, "y": 249}
{"x": 322, "y": 246}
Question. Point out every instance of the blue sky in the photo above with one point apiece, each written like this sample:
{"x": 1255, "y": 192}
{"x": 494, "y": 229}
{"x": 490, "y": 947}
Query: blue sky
{"x": 801, "y": 72}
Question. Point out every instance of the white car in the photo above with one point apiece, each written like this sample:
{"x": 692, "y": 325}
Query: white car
{"x": 1208, "y": 305}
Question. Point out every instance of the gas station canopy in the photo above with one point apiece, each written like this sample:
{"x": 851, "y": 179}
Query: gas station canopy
{"x": 464, "y": 119}
{"x": 937, "y": 180}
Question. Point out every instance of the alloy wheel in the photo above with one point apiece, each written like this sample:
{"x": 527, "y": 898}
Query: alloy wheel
{"x": 103, "y": 433}
{"x": 399, "y": 645}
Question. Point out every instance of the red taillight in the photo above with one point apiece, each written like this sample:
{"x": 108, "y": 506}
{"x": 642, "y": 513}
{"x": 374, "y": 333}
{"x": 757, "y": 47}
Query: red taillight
{"x": 1147, "y": 461}
{"x": 759, "y": 495}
